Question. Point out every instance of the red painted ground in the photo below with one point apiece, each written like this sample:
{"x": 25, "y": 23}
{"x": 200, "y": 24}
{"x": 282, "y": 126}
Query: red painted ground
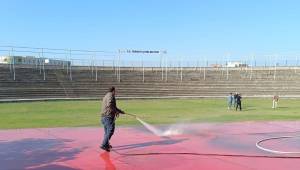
{"x": 203, "y": 146}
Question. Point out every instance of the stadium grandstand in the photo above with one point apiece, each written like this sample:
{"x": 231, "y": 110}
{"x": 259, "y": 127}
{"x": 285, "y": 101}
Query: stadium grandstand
{"x": 28, "y": 73}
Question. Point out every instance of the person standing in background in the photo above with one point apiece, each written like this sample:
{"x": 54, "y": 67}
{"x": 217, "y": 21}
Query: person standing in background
{"x": 275, "y": 101}
{"x": 230, "y": 101}
{"x": 234, "y": 99}
{"x": 238, "y": 101}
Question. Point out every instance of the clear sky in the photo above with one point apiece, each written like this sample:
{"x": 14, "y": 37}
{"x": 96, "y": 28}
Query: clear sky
{"x": 185, "y": 28}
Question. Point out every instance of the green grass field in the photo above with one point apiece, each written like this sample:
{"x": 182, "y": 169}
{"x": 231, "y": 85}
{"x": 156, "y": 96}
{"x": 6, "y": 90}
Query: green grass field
{"x": 86, "y": 113}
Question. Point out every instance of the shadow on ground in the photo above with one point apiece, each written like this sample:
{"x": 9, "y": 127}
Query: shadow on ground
{"x": 151, "y": 143}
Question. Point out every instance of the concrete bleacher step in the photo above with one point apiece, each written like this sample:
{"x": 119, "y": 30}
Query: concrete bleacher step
{"x": 30, "y": 83}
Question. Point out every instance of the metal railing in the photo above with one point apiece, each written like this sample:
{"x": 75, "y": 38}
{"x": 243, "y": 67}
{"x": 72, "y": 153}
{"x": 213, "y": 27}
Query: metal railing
{"x": 95, "y": 60}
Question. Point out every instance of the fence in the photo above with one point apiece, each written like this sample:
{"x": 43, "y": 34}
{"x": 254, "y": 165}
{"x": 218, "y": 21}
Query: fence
{"x": 95, "y": 60}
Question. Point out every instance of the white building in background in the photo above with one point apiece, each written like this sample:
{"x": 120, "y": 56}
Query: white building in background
{"x": 236, "y": 64}
{"x": 5, "y": 60}
{"x": 31, "y": 60}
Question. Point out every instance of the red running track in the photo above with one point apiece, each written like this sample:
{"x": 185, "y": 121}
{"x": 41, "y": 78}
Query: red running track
{"x": 205, "y": 146}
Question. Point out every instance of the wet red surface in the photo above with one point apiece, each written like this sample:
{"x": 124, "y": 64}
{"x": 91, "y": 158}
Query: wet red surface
{"x": 202, "y": 146}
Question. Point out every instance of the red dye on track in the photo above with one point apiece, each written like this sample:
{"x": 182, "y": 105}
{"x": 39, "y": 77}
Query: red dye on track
{"x": 203, "y": 146}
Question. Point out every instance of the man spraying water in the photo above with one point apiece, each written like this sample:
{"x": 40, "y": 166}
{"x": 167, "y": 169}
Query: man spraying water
{"x": 109, "y": 113}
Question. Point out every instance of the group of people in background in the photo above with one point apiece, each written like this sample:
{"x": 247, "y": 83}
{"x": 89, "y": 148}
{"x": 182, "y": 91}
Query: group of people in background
{"x": 235, "y": 101}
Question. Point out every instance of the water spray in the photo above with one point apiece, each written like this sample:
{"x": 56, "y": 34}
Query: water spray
{"x": 172, "y": 130}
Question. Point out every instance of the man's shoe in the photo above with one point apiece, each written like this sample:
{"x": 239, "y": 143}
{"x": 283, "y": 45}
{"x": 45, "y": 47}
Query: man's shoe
{"x": 105, "y": 148}
{"x": 109, "y": 146}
